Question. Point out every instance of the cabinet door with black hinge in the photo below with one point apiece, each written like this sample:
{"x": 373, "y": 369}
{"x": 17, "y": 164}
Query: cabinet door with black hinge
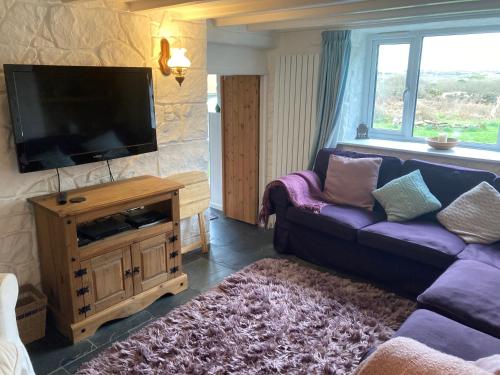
{"x": 150, "y": 262}
{"x": 108, "y": 280}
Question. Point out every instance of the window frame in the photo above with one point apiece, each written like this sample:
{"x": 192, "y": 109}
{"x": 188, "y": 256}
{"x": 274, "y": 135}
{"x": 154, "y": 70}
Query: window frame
{"x": 415, "y": 39}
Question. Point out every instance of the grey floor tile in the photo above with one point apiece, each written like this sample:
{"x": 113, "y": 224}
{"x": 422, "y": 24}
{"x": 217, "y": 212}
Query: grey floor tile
{"x": 109, "y": 331}
{"x": 54, "y": 351}
{"x": 59, "y": 371}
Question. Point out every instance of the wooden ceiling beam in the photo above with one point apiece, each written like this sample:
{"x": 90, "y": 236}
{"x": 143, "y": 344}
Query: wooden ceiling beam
{"x": 366, "y": 6}
{"x": 140, "y": 5}
{"x": 225, "y": 8}
{"x": 490, "y": 8}
{"x": 326, "y": 23}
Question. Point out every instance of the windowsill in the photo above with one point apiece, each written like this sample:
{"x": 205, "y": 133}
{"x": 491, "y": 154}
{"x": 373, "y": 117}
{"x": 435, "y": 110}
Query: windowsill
{"x": 424, "y": 149}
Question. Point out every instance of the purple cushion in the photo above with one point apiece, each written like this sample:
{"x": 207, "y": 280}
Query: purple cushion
{"x": 448, "y": 336}
{"x": 389, "y": 170}
{"x": 469, "y": 293}
{"x": 424, "y": 241}
{"x": 489, "y": 254}
{"x": 339, "y": 221}
{"x": 447, "y": 182}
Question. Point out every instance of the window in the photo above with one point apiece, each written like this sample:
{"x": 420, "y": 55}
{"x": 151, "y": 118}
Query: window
{"x": 422, "y": 85}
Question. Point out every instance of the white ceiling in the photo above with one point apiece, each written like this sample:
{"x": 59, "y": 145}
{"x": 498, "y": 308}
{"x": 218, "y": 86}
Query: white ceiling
{"x": 267, "y": 15}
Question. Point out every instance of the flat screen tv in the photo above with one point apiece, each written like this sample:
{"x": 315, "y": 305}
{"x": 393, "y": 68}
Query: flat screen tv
{"x": 66, "y": 115}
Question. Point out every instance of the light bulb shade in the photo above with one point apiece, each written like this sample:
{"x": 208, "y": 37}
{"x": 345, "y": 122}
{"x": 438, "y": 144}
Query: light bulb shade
{"x": 178, "y": 58}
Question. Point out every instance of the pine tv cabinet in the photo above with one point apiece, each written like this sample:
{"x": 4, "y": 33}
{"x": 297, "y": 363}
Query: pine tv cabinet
{"x": 116, "y": 276}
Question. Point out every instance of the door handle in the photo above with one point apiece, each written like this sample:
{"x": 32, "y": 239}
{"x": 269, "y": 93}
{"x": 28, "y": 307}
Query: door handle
{"x": 128, "y": 273}
{"x": 136, "y": 270}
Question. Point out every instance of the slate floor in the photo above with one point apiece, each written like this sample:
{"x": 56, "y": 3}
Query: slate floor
{"x": 234, "y": 245}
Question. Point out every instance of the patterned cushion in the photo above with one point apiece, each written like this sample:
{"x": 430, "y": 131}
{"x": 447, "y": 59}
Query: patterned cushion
{"x": 475, "y": 215}
{"x": 406, "y": 198}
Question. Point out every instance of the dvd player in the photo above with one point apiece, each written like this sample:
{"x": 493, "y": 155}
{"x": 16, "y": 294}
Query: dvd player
{"x": 103, "y": 228}
{"x": 142, "y": 217}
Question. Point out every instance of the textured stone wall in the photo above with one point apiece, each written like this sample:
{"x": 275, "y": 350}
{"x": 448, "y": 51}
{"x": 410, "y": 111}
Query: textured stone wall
{"x": 97, "y": 33}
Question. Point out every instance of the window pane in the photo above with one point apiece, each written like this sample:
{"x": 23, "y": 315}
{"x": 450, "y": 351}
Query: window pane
{"x": 390, "y": 86}
{"x": 459, "y": 88}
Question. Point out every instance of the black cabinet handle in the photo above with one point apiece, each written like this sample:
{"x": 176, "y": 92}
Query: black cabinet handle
{"x": 136, "y": 270}
{"x": 128, "y": 273}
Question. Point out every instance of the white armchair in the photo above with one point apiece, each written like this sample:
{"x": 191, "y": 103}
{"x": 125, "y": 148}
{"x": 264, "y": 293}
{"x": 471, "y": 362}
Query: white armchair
{"x": 14, "y": 359}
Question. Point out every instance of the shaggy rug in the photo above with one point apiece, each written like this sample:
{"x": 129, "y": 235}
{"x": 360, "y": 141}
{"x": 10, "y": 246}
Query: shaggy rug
{"x": 274, "y": 316}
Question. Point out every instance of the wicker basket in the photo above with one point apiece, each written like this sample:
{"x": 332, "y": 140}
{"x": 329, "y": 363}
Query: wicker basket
{"x": 31, "y": 310}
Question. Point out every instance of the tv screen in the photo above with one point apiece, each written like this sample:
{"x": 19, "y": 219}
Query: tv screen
{"x": 63, "y": 116}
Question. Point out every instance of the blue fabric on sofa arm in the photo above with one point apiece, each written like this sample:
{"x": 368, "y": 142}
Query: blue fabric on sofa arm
{"x": 448, "y": 336}
{"x": 423, "y": 241}
{"x": 468, "y": 292}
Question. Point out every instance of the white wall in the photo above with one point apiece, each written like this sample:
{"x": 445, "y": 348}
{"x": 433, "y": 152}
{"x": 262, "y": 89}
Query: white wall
{"x": 236, "y": 51}
{"x": 215, "y": 145}
{"x": 225, "y": 59}
{"x": 293, "y": 43}
{"x": 93, "y": 33}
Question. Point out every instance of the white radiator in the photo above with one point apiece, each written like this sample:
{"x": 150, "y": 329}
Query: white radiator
{"x": 294, "y": 122}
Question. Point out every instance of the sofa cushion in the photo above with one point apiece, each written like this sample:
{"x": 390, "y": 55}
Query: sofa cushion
{"x": 350, "y": 182}
{"x": 497, "y": 183}
{"x": 475, "y": 215}
{"x": 488, "y": 254}
{"x": 448, "y": 336}
{"x": 339, "y": 221}
{"x": 468, "y": 293}
{"x": 447, "y": 182}
{"x": 424, "y": 241}
{"x": 406, "y": 198}
{"x": 389, "y": 169}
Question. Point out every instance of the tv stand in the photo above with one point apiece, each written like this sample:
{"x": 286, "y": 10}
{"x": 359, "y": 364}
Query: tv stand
{"x": 116, "y": 276}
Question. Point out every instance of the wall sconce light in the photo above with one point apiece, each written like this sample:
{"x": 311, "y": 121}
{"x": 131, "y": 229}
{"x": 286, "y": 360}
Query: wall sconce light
{"x": 174, "y": 62}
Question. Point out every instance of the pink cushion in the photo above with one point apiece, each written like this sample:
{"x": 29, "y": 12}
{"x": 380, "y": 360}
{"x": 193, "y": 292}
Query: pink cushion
{"x": 350, "y": 181}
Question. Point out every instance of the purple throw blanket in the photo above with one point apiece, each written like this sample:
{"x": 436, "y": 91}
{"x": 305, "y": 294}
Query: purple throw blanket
{"x": 303, "y": 189}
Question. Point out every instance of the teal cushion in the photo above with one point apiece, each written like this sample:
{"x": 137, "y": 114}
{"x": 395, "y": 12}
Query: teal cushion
{"x": 406, "y": 198}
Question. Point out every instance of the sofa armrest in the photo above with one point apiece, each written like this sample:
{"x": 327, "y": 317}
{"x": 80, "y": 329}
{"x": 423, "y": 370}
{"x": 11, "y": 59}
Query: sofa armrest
{"x": 8, "y": 298}
{"x": 279, "y": 198}
{"x": 18, "y": 361}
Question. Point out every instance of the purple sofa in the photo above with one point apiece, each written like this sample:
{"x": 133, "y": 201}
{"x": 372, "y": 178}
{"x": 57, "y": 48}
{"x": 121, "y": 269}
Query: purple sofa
{"x": 406, "y": 256}
{"x": 412, "y": 257}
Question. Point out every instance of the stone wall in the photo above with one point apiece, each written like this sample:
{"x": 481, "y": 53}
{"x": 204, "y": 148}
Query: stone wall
{"x": 97, "y": 33}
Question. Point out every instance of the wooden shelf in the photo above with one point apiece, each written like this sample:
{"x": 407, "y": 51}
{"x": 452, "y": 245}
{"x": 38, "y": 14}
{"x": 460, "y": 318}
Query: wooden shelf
{"x": 108, "y": 195}
{"x": 117, "y": 275}
{"x": 120, "y": 239}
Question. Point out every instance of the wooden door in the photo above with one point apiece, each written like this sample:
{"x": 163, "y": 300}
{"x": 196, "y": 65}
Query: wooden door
{"x": 109, "y": 279}
{"x": 240, "y": 146}
{"x": 151, "y": 262}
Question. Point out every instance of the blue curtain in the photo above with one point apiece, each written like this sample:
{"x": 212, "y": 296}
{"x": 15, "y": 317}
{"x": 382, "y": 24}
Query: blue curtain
{"x": 334, "y": 64}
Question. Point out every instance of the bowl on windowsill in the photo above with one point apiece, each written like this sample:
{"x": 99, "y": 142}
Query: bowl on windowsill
{"x": 448, "y": 145}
